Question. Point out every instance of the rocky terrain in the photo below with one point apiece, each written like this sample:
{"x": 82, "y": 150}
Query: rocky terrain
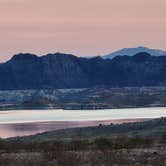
{"x": 85, "y": 98}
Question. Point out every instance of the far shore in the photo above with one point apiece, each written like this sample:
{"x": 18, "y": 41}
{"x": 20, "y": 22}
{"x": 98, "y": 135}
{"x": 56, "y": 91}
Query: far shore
{"x": 31, "y": 128}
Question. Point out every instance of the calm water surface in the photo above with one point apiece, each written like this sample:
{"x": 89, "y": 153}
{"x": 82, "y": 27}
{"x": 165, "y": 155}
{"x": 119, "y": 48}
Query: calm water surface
{"x": 21, "y": 122}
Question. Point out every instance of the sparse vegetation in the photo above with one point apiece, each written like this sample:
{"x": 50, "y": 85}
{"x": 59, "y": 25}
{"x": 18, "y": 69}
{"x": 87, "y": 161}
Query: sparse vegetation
{"x": 98, "y": 152}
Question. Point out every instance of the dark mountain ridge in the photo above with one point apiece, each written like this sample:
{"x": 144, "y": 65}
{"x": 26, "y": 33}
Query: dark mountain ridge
{"x": 53, "y": 71}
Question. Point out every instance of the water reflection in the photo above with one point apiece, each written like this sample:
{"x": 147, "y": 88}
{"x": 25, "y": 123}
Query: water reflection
{"x": 23, "y": 129}
{"x": 28, "y": 122}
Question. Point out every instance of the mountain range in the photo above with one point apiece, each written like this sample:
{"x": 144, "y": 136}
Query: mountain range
{"x": 133, "y": 51}
{"x": 57, "y": 71}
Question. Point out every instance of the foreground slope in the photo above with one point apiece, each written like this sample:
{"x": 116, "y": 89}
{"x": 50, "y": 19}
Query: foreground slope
{"x": 128, "y": 144}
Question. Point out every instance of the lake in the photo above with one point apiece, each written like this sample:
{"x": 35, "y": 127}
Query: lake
{"x": 27, "y": 122}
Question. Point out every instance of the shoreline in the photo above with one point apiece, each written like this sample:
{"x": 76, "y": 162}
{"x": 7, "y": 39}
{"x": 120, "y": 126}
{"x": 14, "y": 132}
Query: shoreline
{"x": 32, "y": 128}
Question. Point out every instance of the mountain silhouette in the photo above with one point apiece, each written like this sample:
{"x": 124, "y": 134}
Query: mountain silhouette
{"x": 54, "y": 71}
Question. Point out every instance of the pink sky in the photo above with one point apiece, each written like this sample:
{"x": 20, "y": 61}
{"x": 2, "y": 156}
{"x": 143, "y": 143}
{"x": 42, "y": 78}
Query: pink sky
{"x": 81, "y": 27}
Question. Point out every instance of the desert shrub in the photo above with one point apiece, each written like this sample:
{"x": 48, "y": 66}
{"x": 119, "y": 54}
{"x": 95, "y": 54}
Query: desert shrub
{"x": 52, "y": 150}
{"x": 107, "y": 158}
{"x": 78, "y": 145}
{"x": 69, "y": 159}
{"x": 163, "y": 139}
{"x": 22, "y": 159}
{"x": 103, "y": 143}
{"x": 139, "y": 142}
{"x": 3, "y": 144}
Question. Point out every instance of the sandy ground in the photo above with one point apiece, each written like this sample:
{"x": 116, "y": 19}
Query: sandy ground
{"x": 22, "y": 129}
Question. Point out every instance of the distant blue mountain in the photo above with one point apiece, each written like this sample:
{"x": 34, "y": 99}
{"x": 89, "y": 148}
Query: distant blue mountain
{"x": 133, "y": 51}
{"x": 59, "y": 71}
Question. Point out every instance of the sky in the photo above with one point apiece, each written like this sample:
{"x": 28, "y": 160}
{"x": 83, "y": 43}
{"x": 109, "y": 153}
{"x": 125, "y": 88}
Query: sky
{"x": 80, "y": 27}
